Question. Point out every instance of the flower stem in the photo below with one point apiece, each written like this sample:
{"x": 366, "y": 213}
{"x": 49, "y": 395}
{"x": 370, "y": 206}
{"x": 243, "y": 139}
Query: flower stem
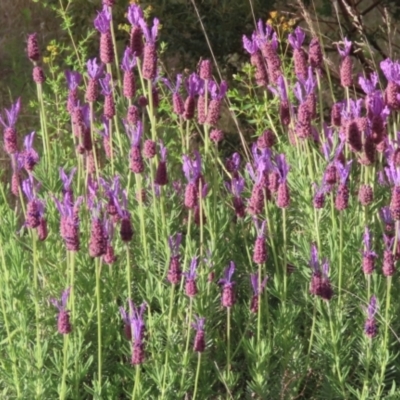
{"x": 228, "y": 337}
{"x": 128, "y": 272}
{"x": 197, "y": 375}
{"x": 38, "y": 349}
{"x": 385, "y": 338}
{"x": 98, "y": 300}
{"x": 136, "y": 383}
{"x": 187, "y": 342}
{"x": 340, "y": 256}
{"x": 168, "y": 336}
{"x": 65, "y": 365}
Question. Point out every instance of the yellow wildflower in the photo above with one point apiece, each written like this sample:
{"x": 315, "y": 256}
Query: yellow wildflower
{"x": 273, "y": 14}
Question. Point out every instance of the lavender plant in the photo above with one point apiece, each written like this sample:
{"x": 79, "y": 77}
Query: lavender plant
{"x": 322, "y": 172}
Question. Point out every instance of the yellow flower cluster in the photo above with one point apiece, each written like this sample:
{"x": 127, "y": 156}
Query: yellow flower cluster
{"x": 280, "y": 22}
{"x": 53, "y": 51}
{"x": 124, "y": 27}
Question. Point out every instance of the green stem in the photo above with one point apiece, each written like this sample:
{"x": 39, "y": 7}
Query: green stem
{"x": 65, "y": 368}
{"x": 284, "y": 255}
{"x": 115, "y": 46}
{"x": 136, "y": 383}
{"x": 128, "y": 272}
{"x": 171, "y": 300}
{"x": 38, "y": 350}
{"x": 46, "y": 146}
{"x": 228, "y": 352}
{"x": 98, "y": 300}
{"x": 197, "y": 375}
{"x": 312, "y": 332}
{"x": 228, "y": 336}
{"x": 365, "y": 390}
{"x": 93, "y": 142}
{"x": 340, "y": 256}
{"x": 385, "y": 337}
{"x": 187, "y": 342}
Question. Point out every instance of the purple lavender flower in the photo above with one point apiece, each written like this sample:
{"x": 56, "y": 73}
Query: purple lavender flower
{"x": 256, "y": 59}
{"x": 42, "y": 227}
{"x": 296, "y": 40}
{"x": 30, "y": 155}
{"x": 258, "y": 287}
{"x": 190, "y": 284}
{"x": 365, "y": 195}
{"x": 149, "y": 70}
{"x": 149, "y": 148}
{"x": 192, "y": 172}
{"x": 236, "y": 187}
{"x": 103, "y": 24}
{"x": 69, "y": 224}
{"x": 281, "y": 92}
{"x": 95, "y": 72}
{"x": 98, "y": 237}
{"x": 346, "y": 79}
{"x": 67, "y": 181}
{"x": 38, "y": 75}
{"x": 386, "y": 217}
{"x": 10, "y": 133}
{"x": 260, "y": 248}
{"x": 232, "y": 164}
{"x": 320, "y": 284}
{"x": 228, "y": 294}
{"x": 63, "y": 322}
{"x": 107, "y": 90}
{"x": 343, "y": 194}
{"x": 135, "y": 15}
{"x": 266, "y": 140}
{"x": 199, "y": 344}
{"x": 193, "y": 87}
{"x": 370, "y": 327}
{"x": 74, "y": 79}
{"x": 393, "y": 175}
{"x": 389, "y": 267}
{"x": 307, "y": 86}
{"x": 336, "y": 114}
{"x": 177, "y": 102}
{"x": 216, "y": 135}
{"x": 283, "y": 194}
{"x": 33, "y": 208}
{"x": 315, "y": 56}
{"x": 126, "y": 229}
{"x": 109, "y": 257}
{"x": 369, "y": 256}
{"x": 319, "y": 196}
{"x": 369, "y": 88}
{"x": 216, "y": 100}
{"x": 134, "y": 314}
{"x": 161, "y": 177}
{"x": 135, "y": 135}
{"x": 112, "y": 191}
{"x": 205, "y": 69}
{"x": 105, "y": 134}
{"x": 174, "y": 271}
{"x": 17, "y": 165}
{"x": 268, "y": 43}
{"x": 127, "y": 65}
{"x": 255, "y": 204}
{"x": 32, "y": 48}
{"x": 391, "y": 70}
{"x": 134, "y": 324}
